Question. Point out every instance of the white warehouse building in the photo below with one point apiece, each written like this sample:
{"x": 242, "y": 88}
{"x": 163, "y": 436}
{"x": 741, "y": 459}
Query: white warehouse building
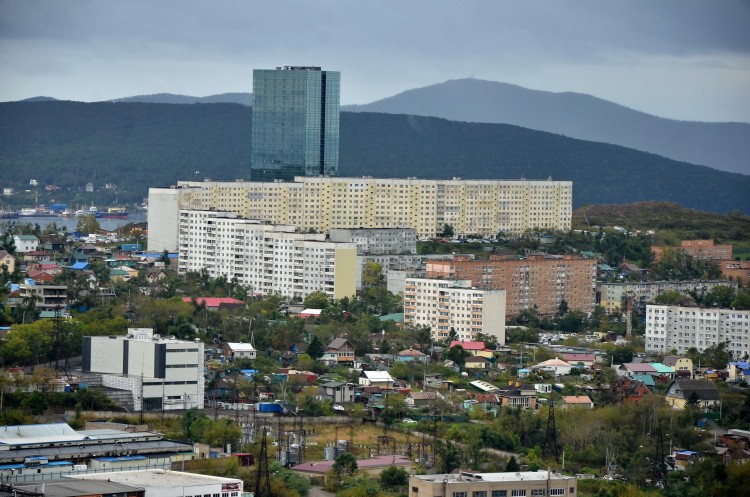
{"x": 266, "y": 259}
{"x": 445, "y": 304}
{"x": 671, "y": 327}
{"x": 158, "y": 372}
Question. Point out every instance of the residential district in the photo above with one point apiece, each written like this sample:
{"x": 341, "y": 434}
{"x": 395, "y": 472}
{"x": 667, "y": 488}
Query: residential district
{"x": 304, "y": 332}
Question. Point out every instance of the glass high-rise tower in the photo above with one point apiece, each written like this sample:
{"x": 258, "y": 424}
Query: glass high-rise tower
{"x": 295, "y": 123}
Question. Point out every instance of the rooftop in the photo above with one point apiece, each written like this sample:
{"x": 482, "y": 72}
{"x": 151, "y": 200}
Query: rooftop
{"x": 157, "y": 478}
{"x": 74, "y": 488}
{"x": 495, "y": 477}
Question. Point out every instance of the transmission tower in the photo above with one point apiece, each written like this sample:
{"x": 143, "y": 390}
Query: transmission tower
{"x": 263, "y": 473}
{"x": 550, "y": 447}
{"x": 658, "y": 463}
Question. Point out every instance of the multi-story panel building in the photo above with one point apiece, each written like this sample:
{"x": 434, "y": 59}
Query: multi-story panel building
{"x": 484, "y": 207}
{"x": 444, "y": 305}
{"x": 390, "y": 248}
{"x": 700, "y": 249}
{"x": 295, "y": 123}
{"x": 540, "y": 280}
{"x": 680, "y": 328}
{"x": 474, "y": 484}
{"x": 611, "y": 296}
{"x": 159, "y": 373}
{"x": 264, "y": 258}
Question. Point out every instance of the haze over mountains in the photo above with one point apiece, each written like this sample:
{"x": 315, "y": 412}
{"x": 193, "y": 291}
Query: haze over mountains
{"x": 139, "y": 145}
{"x": 723, "y": 146}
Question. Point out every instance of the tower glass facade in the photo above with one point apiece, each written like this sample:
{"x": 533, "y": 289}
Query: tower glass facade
{"x": 295, "y": 123}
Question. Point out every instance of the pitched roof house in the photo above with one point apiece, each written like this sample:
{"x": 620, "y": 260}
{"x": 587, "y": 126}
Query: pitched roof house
{"x": 474, "y": 348}
{"x": 704, "y": 392}
{"x": 578, "y": 401}
{"x": 338, "y": 351}
{"x": 376, "y": 379}
{"x": 237, "y": 350}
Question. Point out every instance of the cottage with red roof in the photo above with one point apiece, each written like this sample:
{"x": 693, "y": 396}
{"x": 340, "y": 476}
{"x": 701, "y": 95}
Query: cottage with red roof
{"x": 577, "y": 401}
{"x": 586, "y": 360}
{"x": 474, "y": 348}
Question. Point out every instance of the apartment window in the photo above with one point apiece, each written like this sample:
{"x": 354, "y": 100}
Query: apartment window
{"x": 518, "y": 493}
{"x": 459, "y": 494}
{"x": 537, "y": 491}
{"x": 481, "y": 493}
{"x": 499, "y": 493}
{"x": 557, "y": 491}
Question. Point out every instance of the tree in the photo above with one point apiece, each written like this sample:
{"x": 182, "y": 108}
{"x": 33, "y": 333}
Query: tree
{"x": 35, "y": 403}
{"x": 457, "y": 354}
{"x": 673, "y": 297}
{"x": 344, "y": 467}
{"x": 393, "y": 477}
{"x": 315, "y": 349}
{"x": 88, "y": 224}
{"x": 448, "y": 231}
{"x": 716, "y": 356}
{"x": 512, "y": 465}
{"x": 719, "y": 296}
{"x": 316, "y": 300}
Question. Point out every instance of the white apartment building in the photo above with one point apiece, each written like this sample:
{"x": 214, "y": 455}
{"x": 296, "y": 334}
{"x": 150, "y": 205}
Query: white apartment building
{"x": 483, "y": 207}
{"x": 611, "y": 295}
{"x": 266, "y": 259}
{"x": 445, "y": 304}
{"x": 157, "y": 371}
{"x": 680, "y": 328}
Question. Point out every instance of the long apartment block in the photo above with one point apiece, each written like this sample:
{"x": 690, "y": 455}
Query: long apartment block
{"x": 540, "y": 280}
{"x": 671, "y": 327}
{"x": 612, "y": 295}
{"x": 266, "y": 259}
{"x": 483, "y": 207}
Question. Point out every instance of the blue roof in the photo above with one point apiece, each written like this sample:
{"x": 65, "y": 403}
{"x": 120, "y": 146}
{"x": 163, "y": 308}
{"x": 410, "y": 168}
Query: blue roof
{"x": 741, "y": 364}
{"x": 122, "y": 458}
{"x": 746, "y": 371}
{"x": 79, "y": 266}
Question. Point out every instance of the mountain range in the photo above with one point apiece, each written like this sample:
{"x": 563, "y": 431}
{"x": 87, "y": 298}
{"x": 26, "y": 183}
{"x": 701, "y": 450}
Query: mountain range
{"x": 140, "y": 145}
{"x": 719, "y": 145}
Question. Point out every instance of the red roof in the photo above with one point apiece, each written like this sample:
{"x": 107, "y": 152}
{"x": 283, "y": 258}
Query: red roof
{"x": 214, "y": 301}
{"x": 468, "y": 345}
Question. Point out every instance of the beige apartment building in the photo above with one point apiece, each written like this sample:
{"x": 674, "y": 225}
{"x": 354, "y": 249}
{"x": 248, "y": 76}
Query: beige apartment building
{"x": 444, "y": 305}
{"x": 700, "y": 249}
{"x": 475, "y": 484}
{"x": 540, "y": 280}
{"x": 484, "y": 207}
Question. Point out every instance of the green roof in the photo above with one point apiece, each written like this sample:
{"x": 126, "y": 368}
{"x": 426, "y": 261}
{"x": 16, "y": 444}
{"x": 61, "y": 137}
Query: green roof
{"x": 397, "y": 317}
{"x": 661, "y": 368}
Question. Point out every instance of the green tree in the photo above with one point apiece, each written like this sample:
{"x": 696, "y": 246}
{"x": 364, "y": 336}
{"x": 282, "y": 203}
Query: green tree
{"x": 512, "y": 465}
{"x": 315, "y": 349}
{"x": 344, "y": 467}
{"x": 88, "y": 224}
{"x": 716, "y": 356}
{"x": 393, "y": 477}
{"x": 35, "y": 403}
{"x": 457, "y": 354}
{"x": 448, "y": 231}
{"x": 316, "y": 300}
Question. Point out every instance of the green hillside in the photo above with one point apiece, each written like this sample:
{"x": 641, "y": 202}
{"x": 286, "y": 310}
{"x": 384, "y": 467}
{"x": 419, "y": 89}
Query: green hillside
{"x": 138, "y": 145}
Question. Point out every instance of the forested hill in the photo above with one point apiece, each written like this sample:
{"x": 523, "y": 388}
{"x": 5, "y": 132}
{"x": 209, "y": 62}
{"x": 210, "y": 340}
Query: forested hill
{"x": 138, "y": 145}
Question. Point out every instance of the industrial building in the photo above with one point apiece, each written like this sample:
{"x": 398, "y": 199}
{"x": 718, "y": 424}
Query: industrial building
{"x": 475, "y": 484}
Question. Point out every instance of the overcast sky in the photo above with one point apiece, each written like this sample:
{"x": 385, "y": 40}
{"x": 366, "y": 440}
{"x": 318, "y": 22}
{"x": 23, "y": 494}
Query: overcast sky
{"x": 683, "y": 59}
